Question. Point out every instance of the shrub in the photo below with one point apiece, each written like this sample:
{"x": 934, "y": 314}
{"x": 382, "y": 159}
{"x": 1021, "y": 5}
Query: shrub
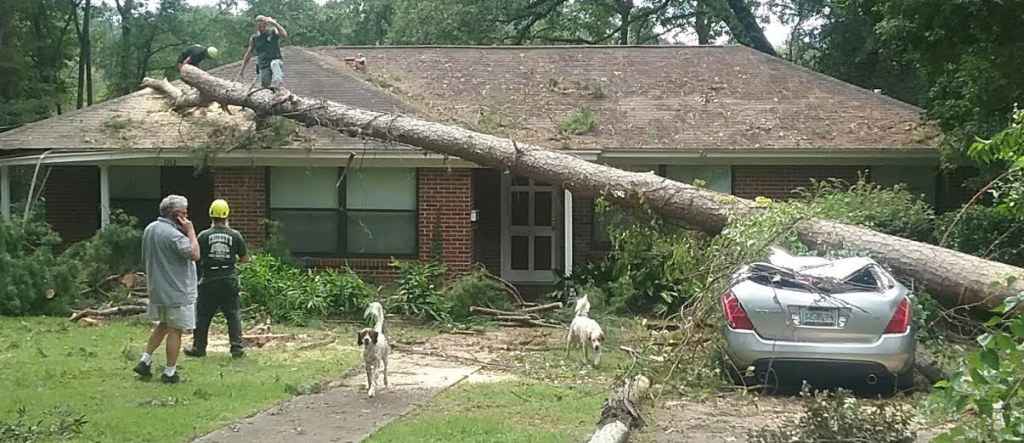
{"x": 986, "y": 232}
{"x": 889, "y": 210}
{"x": 33, "y": 279}
{"x": 115, "y": 249}
{"x": 989, "y": 382}
{"x": 293, "y": 295}
{"x": 419, "y": 289}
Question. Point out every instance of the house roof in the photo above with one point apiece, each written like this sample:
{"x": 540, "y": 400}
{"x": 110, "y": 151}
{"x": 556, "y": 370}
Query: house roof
{"x": 676, "y": 98}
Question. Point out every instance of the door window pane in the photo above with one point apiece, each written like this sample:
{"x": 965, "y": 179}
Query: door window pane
{"x": 304, "y": 188}
{"x": 309, "y": 232}
{"x": 380, "y": 188}
{"x": 520, "y": 252}
{"x": 542, "y": 245}
{"x": 520, "y": 208}
{"x": 542, "y": 209}
{"x": 382, "y": 233}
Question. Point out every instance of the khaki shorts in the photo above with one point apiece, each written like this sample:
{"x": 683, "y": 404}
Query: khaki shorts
{"x": 177, "y": 317}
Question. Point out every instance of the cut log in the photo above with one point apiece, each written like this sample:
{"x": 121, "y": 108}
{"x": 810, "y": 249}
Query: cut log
{"x": 620, "y": 414}
{"x": 951, "y": 277}
{"x": 117, "y": 310}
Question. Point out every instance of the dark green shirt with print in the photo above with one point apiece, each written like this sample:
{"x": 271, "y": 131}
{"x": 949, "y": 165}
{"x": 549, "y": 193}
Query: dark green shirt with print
{"x": 219, "y": 247}
{"x": 268, "y": 47}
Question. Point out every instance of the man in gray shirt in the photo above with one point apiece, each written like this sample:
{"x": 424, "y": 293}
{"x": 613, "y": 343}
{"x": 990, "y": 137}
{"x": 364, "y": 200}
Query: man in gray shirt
{"x": 169, "y": 249}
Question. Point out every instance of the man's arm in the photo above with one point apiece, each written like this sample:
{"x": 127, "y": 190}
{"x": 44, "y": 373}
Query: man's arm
{"x": 242, "y": 252}
{"x": 280, "y": 30}
{"x": 245, "y": 60}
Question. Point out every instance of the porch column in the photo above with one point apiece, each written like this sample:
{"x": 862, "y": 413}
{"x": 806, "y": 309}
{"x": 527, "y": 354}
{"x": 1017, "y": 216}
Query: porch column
{"x": 104, "y": 196}
{"x": 567, "y": 234}
{"x": 5, "y": 192}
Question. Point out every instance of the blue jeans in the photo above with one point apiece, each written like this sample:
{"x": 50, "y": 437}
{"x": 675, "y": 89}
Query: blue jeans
{"x": 272, "y": 77}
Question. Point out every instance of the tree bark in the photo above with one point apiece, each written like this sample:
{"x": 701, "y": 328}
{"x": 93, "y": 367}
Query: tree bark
{"x": 952, "y": 277}
{"x": 702, "y": 23}
{"x": 750, "y": 29}
{"x": 87, "y": 50}
{"x": 620, "y": 414}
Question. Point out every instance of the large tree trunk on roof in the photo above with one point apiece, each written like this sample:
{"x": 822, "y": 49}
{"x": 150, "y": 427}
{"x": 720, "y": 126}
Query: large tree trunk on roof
{"x": 749, "y": 32}
{"x": 952, "y": 277}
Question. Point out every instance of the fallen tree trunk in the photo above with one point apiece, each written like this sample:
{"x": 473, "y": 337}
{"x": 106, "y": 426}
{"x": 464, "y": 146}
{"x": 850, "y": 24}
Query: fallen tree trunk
{"x": 620, "y": 414}
{"x": 951, "y": 277}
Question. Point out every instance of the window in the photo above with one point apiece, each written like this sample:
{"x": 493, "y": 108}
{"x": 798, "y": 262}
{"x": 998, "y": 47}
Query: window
{"x": 920, "y": 180}
{"x": 372, "y": 212}
{"x": 714, "y": 177}
{"x": 603, "y": 221}
{"x": 136, "y": 191}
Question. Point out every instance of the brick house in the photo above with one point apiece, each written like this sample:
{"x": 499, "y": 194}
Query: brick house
{"x": 742, "y": 122}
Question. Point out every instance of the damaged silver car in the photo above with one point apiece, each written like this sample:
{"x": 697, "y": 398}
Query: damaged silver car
{"x": 829, "y": 322}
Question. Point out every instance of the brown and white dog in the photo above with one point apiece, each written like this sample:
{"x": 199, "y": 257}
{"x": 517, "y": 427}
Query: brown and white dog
{"x": 375, "y": 348}
{"x": 586, "y": 331}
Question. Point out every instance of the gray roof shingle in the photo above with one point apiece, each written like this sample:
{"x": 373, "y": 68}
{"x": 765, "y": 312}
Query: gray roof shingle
{"x": 654, "y": 97}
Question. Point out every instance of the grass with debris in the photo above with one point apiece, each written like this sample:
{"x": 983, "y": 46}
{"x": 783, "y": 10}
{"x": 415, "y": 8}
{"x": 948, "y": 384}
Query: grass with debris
{"x": 509, "y": 411}
{"x": 53, "y": 370}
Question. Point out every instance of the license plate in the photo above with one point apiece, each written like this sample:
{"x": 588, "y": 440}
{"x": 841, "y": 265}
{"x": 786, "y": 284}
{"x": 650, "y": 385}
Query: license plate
{"x": 818, "y": 317}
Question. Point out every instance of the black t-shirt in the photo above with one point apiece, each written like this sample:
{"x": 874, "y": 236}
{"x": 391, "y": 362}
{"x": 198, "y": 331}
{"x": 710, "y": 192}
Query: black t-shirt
{"x": 194, "y": 54}
{"x": 219, "y": 248}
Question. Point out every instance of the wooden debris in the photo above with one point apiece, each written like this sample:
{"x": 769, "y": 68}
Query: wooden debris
{"x": 523, "y": 318}
{"x": 262, "y": 340}
{"x": 621, "y": 413}
{"x": 117, "y": 310}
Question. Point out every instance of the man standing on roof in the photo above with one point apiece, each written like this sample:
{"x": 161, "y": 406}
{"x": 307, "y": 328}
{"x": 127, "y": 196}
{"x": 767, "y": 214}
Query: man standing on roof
{"x": 195, "y": 54}
{"x": 266, "y": 43}
{"x": 221, "y": 249}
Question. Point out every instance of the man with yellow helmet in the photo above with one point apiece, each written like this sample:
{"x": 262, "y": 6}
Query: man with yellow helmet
{"x": 221, "y": 249}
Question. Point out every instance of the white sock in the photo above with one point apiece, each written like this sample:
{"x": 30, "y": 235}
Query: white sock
{"x": 146, "y": 358}
{"x": 169, "y": 371}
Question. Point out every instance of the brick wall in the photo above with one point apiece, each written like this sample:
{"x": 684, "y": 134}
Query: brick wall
{"x": 778, "y": 182}
{"x": 73, "y": 202}
{"x": 446, "y": 197}
{"x": 487, "y": 229}
{"x": 245, "y": 189}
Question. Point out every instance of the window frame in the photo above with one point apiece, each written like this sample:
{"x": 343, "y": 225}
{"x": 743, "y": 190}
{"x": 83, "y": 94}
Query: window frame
{"x": 343, "y": 218}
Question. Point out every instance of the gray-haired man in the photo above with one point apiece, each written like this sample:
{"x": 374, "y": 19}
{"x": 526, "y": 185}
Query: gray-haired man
{"x": 169, "y": 249}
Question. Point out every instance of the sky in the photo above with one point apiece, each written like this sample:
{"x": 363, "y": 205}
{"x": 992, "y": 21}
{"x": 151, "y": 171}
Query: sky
{"x": 774, "y": 31}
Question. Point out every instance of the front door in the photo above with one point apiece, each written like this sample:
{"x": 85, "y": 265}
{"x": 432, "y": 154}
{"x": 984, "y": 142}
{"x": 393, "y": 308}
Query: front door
{"x": 529, "y": 216}
{"x": 196, "y": 187}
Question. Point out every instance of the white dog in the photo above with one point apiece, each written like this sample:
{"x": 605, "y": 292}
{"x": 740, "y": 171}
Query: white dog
{"x": 586, "y": 331}
{"x": 375, "y": 348}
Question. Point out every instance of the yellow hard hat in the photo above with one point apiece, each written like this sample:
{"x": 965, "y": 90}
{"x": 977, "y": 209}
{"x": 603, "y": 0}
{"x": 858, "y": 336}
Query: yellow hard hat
{"x": 219, "y": 209}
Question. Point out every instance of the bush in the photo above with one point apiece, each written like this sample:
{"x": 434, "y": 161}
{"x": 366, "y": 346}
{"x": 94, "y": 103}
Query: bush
{"x": 293, "y": 295}
{"x": 892, "y": 211}
{"x": 419, "y": 290}
{"x": 116, "y": 249}
{"x": 986, "y": 232}
{"x": 33, "y": 279}
{"x": 989, "y": 382}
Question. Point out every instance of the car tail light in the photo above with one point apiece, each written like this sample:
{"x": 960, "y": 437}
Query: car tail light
{"x": 901, "y": 319}
{"x": 734, "y": 313}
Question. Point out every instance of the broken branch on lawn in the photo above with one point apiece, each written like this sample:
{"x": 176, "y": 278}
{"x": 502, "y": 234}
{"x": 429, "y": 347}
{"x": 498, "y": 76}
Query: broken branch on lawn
{"x": 952, "y": 277}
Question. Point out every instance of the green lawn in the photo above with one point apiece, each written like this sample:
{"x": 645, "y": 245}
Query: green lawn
{"x": 511, "y": 411}
{"x": 52, "y": 368}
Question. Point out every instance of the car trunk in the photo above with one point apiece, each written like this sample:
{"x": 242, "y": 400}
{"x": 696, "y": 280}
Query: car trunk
{"x": 815, "y": 306}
